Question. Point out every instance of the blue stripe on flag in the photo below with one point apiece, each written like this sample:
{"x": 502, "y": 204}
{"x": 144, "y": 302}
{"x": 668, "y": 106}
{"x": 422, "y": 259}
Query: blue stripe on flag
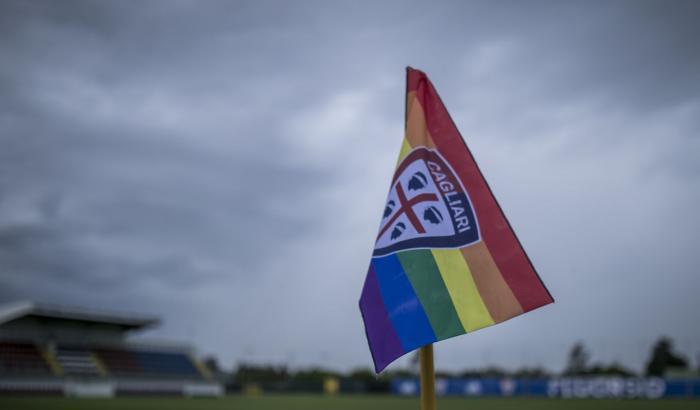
{"x": 404, "y": 309}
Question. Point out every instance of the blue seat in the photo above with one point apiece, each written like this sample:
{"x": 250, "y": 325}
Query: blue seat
{"x": 166, "y": 363}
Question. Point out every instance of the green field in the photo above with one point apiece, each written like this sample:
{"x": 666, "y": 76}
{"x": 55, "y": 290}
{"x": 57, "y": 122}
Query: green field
{"x": 301, "y": 402}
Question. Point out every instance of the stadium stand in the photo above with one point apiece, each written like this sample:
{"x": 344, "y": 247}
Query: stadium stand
{"x": 48, "y": 349}
{"x": 160, "y": 364}
{"x": 119, "y": 362}
{"x": 77, "y": 361}
{"x": 23, "y": 359}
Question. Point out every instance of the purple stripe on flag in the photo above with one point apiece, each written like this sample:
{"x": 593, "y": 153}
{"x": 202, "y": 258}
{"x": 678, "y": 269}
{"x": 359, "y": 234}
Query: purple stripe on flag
{"x": 383, "y": 341}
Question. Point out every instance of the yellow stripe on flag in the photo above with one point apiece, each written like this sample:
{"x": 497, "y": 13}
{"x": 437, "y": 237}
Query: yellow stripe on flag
{"x": 463, "y": 291}
{"x": 405, "y": 149}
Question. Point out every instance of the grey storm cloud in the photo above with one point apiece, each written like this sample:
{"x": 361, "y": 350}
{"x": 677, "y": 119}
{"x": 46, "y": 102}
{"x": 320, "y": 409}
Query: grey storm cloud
{"x": 224, "y": 164}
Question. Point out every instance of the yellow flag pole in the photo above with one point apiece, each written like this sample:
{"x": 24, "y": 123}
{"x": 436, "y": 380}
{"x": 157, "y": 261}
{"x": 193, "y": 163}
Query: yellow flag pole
{"x": 427, "y": 378}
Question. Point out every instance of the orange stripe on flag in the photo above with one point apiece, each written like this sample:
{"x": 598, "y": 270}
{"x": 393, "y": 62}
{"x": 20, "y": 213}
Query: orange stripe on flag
{"x": 469, "y": 304}
{"x": 416, "y": 129}
{"x": 495, "y": 292}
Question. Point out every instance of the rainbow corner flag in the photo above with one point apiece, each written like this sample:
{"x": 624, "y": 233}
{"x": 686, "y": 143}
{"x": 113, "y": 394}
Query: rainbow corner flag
{"x": 446, "y": 260}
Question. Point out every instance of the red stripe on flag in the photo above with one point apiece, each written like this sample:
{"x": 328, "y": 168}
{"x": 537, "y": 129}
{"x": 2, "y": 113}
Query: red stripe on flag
{"x": 496, "y": 231}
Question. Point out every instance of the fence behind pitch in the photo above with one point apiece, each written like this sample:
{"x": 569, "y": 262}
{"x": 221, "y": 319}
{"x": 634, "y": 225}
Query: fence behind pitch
{"x": 594, "y": 387}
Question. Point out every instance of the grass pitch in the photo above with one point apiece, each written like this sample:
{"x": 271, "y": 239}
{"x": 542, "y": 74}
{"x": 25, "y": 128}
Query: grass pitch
{"x": 303, "y": 402}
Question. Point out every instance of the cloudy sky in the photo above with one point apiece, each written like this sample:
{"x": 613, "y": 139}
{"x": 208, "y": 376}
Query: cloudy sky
{"x": 224, "y": 165}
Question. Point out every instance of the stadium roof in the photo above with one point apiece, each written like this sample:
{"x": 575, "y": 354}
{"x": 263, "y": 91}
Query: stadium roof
{"x": 16, "y": 310}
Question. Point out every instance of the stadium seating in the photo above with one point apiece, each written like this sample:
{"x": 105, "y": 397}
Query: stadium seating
{"x": 176, "y": 364}
{"x": 119, "y": 362}
{"x": 122, "y": 362}
{"x": 76, "y": 361}
{"x": 26, "y": 358}
{"x": 22, "y": 359}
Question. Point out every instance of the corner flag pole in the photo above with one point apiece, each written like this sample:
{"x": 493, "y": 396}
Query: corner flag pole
{"x": 427, "y": 378}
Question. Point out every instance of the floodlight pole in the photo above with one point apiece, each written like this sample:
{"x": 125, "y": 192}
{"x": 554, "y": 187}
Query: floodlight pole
{"x": 427, "y": 378}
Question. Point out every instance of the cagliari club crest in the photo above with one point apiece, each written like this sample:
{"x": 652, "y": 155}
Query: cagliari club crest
{"x": 427, "y": 207}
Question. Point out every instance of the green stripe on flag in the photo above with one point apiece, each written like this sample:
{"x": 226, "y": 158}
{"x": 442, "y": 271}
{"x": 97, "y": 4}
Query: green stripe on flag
{"x": 422, "y": 271}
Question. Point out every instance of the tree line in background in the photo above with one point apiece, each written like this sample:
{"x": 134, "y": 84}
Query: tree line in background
{"x": 662, "y": 360}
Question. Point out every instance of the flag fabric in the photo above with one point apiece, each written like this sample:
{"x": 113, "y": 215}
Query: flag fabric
{"x": 446, "y": 260}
